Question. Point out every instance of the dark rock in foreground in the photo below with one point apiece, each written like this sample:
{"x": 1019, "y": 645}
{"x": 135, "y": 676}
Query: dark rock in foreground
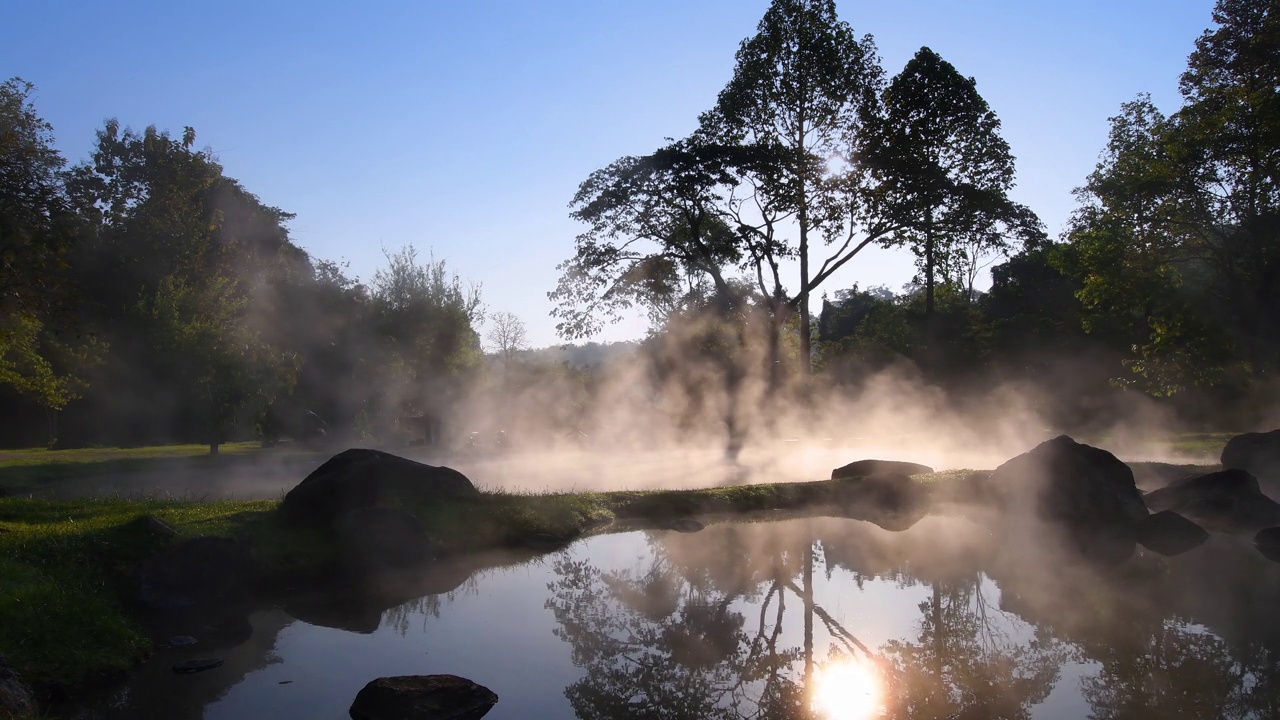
{"x": 1257, "y": 454}
{"x": 357, "y": 479}
{"x": 1082, "y": 490}
{"x": 193, "y": 572}
{"x": 869, "y": 468}
{"x": 1268, "y": 543}
{"x": 423, "y": 697}
{"x": 375, "y": 537}
{"x": 16, "y": 700}
{"x": 1226, "y": 501}
{"x": 1168, "y": 533}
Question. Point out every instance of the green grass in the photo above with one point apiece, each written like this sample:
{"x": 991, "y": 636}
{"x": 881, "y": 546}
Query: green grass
{"x": 30, "y": 468}
{"x": 63, "y": 576}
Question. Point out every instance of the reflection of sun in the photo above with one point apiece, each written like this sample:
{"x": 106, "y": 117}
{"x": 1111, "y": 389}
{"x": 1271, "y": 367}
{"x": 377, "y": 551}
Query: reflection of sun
{"x": 848, "y": 690}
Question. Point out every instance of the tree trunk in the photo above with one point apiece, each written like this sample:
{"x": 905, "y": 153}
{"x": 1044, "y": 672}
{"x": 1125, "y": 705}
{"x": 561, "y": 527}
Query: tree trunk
{"x": 928, "y": 265}
{"x": 808, "y": 612}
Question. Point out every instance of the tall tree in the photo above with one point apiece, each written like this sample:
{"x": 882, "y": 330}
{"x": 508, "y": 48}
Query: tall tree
{"x": 803, "y": 83}
{"x": 944, "y": 170}
{"x": 36, "y": 233}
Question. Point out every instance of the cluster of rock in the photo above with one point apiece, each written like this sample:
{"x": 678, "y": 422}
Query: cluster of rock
{"x": 1064, "y": 493}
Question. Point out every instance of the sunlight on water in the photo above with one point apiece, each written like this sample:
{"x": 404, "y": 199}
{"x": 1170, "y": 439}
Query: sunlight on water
{"x": 848, "y": 689}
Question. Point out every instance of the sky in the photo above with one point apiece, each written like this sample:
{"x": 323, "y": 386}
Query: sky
{"x": 464, "y": 128}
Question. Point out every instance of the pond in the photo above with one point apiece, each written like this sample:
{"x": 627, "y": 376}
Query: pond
{"x": 816, "y": 618}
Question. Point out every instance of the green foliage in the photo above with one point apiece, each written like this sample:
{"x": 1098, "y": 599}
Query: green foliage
{"x": 1176, "y": 235}
{"x": 426, "y": 318}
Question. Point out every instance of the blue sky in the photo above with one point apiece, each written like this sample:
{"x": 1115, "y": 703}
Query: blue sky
{"x": 464, "y": 128}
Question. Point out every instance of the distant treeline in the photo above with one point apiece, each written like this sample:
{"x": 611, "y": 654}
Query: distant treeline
{"x": 147, "y": 297}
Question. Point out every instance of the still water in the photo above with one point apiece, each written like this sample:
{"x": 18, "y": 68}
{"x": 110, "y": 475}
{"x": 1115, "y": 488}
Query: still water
{"x": 814, "y": 618}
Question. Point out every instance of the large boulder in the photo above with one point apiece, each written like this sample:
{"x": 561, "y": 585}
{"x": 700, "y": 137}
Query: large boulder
{"x": 1083, "y": 491}
{"x": 1168, "y": 533}
{"x": 870, "y": 468}
{"x": 1257, "y": 454}
{"x": 423, "y": 697}
{"x": 356, "y": 479}
{"x": 199, "y": 571}
{"x": 1227, "y": 501}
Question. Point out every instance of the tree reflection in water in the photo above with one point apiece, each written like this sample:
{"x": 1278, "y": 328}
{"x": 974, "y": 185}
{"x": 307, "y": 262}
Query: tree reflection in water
{"x": 696, "y": 630}
{"x": 671, "y": 638}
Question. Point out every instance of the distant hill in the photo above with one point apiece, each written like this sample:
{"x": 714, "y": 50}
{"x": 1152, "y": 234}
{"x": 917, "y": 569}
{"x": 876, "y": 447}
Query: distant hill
{"x": 589, "y": 355}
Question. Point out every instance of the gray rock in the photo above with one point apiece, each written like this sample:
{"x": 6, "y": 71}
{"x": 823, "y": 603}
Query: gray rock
{"x": 1168, "y": 533}
{"x": 868, "y": 468}
{"x": 423, "y": 697}
{"x": 1226, "y": 501}
{"x": 1083, "y": 491}
{"x": 684, "y": 525}
{"x": 1257, "y": 454}
{"x": 356, "y": 479}
{"x": 199, "y": 571}
{"x": 178, "y": 641}
{"x": 16, "y": 700}
{"x": 195, "y": 665}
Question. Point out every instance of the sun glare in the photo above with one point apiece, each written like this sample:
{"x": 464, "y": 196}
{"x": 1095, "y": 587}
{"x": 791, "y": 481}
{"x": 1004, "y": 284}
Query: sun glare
{"x": 848, "y": 690}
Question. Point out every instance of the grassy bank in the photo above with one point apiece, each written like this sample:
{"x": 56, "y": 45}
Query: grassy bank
{"x": 30, "y": 468}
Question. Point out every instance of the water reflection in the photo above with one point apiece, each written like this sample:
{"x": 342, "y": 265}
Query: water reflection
{"x": 726, "y": 624}
{"x": 822, "y": 619}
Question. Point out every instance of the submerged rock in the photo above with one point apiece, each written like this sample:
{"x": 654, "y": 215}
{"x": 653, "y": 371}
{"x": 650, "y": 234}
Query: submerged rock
{"x": 357, "y": 479}
{"x": 1268, "y": 543}
{"x": 1168, "y": 533}
{"x": 423, "y": 697}
{"x": 1082, "y": 490}
{"x": 195, "y": 665}
{"x": 178, "y": 641}
{"x": 684, "y": 525}
{"x": 198, "y": 571}
{"x": 1257, "y": 454}
{"x": 1226, "y": 501}
{"x": 16, "y": 700}
{"x": 868, "y": 468}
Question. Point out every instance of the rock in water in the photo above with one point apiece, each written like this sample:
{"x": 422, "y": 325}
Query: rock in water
{"x": 423, "y": 697}
{"x": 1085, "y": 491}
{"x": 356, "y": 479}
{"x": 684, "y": 525}
{"x": 195, "y": 665}
{"x": 870, "y": 468}
{"x": 1168, "y": 533}
{"x": 178, "y": 641}
{"x": 1257, "y": 454}
{"x": 16, "y": 700}
{"x": 1226, "y": 501}
{"x": 1268, "y": 543}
